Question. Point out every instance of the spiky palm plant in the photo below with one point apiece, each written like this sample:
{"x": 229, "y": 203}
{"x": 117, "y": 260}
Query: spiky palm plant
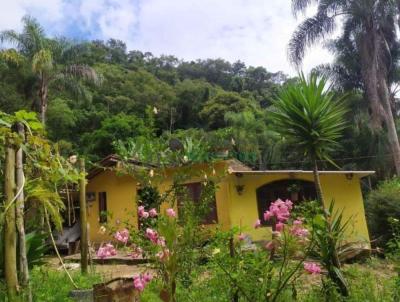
{"x": 53, "y": 62}
{"x": 309, "y": 115}
{"x": 312, "y": 118}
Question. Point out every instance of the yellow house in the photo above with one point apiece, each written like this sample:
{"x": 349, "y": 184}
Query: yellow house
{"x": 241, "y": 197}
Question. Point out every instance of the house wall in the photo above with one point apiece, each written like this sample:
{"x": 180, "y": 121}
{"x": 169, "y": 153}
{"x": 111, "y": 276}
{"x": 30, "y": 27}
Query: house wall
{"x": 346, "y": 193}
{"x": 122, "y": 197}
{"x": 121, "y": 202}
{"x": 232, "y": 209}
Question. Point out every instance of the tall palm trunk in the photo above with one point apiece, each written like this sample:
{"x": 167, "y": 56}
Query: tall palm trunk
{"x": 20, "y": 179}
{"x": 368, "y": 46}
{"x": 390, "y": 123}
{"x": 10, "y": 234}
{"x": 375, "y": 80}
{"x": 43, "y": 94}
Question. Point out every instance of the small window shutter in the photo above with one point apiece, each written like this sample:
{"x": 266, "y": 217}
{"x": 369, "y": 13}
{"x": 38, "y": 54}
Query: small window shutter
{"x": 103, "y": 207}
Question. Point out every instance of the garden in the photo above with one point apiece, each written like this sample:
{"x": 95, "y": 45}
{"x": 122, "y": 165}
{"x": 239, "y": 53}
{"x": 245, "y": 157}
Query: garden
{"x": 78, "y": 115}
{"x": 183, "y": 259}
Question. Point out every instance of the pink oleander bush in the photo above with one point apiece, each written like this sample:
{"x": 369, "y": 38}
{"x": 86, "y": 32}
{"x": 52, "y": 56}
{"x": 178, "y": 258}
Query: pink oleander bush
{"x": 288, "y": 232}
{"x": 254, "y": 273}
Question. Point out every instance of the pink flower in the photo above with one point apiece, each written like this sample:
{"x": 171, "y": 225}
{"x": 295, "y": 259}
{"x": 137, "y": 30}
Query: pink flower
{"x": 163, "y": 255}
{"x": 312, "y": 268}
{"x": 152, "y": 235}
{"x": 289, "y": 204}
{"x": 300, "y": 232}
{"x": 297, "y": 222}
{"x": 268, "y": 215}
{"x": 106, "y": 251}
{"x": 257, "y": 224}
{"x": 110, "y": 248}
{"x": 270, "y": 245}
{"x": 145, "y": 215}
{"x": 140, "y": 211}
{"x": 137, "y": 253}
{"x": 161, "y": 241}
{"x": 280, "y": 210}
{"x": 147, "y": 277}
{"x": 170, "y": 212}
{"x": 242, "y": 236}
{"x": 279, "y": 227}
{"x": 140, "y": 281}
{"x": 153, "y": 212}
{"x": 122, "y": 236}
{"x": 138, "y": 284}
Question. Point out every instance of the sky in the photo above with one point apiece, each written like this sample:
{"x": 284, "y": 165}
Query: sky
{"x": 253, "y": 31}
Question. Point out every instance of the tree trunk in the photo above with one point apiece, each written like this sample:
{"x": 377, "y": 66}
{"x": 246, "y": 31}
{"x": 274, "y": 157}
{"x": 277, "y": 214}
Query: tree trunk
{"x": 335, "y": 257}
{"x": 368, "y": 49}
{"x": 83, "y": 218}
{"x": 19, "y": 204}
{"x": 10, "y": 234}
{"x": 235, "y": 291}
{"x": 318, "y": 187}
{"x": 43, "y": 93}
{"x": 390, "y": 123}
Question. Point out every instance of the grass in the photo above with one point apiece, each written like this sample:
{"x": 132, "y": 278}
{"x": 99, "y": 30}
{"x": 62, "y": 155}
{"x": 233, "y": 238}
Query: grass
{"x": 372, "y": 281}
{"x": 49, "y": 285}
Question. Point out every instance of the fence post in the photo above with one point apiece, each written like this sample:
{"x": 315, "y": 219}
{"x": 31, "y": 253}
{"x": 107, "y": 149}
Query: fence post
{"x": 10, "y": 232}
{"x": 19, "y": 213}
{"x": 83, "y": 217}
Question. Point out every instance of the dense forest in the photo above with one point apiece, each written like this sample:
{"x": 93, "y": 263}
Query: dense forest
{"x": 96, "y": 95}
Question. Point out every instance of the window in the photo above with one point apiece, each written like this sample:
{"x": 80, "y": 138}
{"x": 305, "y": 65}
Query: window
{"x": 194, "y": 191}
{"x": 282, "y": 189}
{"x": 103, "y": 207}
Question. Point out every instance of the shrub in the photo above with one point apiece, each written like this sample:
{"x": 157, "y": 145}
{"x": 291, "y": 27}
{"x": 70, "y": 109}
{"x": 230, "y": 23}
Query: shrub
{"x": 381, "y": 204}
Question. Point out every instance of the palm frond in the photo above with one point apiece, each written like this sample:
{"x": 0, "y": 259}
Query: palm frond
{"x": 71, "y": 84}
{"x": 307, "y": 33}
{"x": 308, "y": 114}
{"x": 300, "y": 6}
{"x": 12, "y": 37}
{"x": 32, "y": 37}
{"x": 37, "y": 192}
{"x": 11, "y": 56}
{"x": 83, "y": 71}
{"x": 42, "y": 61}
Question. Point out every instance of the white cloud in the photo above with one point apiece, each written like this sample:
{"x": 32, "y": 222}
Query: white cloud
{"x": 256, "y": 32}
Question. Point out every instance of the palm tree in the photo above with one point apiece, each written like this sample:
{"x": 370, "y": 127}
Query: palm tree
{"x": 310, "y": 116}
{"x": 51, "y": 61}
{"x": 371, "y": 25}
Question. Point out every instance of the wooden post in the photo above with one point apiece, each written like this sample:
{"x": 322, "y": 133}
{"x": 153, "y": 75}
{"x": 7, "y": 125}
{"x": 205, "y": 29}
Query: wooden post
{"x": 19, "y": 213}
{"x": 83, "y": 217}
{"x": 235, "y": 296}
{"x": 10, "y": 232}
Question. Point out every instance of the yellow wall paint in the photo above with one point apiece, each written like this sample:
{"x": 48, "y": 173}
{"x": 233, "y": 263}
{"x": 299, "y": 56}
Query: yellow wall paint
{"x": 121, "y": 202}
{"x": 232, "y": 209}
{"x": 346, "y": 193}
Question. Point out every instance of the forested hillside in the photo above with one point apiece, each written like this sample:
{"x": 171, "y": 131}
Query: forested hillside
{"x": 98, "y": 93}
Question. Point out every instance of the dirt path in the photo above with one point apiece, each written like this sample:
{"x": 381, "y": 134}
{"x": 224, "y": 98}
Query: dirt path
{"x": 107, "y": 271}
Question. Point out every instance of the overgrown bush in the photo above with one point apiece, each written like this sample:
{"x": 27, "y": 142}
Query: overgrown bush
{"x": 382, "y": 204}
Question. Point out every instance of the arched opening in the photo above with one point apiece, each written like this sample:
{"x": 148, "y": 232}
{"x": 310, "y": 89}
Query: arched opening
{"x": 293, "y": 189}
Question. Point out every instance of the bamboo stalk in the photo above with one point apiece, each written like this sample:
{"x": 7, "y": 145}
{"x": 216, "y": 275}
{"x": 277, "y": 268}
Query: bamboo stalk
{"x": 10, "y": 232}
{"x": 19, "y": 213}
